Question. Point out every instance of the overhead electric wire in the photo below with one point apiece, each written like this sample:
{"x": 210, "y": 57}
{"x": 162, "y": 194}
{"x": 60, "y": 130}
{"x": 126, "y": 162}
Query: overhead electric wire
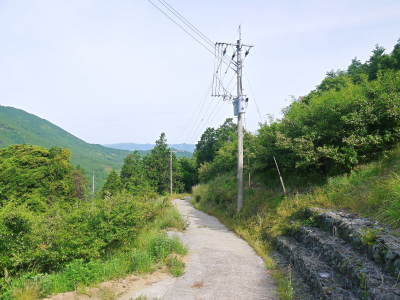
{"x": 180, "y": 26}
{"x": 254, "y": 99}
{"x": 186, "y": 30}
{"x": 206, "y": 113}
{"x": 186, "y": 21}
{"x": 213, "y": 113}
{"x": 206, "y": 120}
{"x": 196, "y": 117}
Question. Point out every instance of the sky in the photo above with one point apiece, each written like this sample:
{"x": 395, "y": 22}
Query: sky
{"x": 120, "y": 71}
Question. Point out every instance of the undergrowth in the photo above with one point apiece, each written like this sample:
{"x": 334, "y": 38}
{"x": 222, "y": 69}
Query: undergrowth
{"x": 149, "y": 250}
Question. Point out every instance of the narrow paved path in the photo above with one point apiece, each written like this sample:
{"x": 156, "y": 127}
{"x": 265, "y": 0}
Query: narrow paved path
{"x": 220, "y": 265}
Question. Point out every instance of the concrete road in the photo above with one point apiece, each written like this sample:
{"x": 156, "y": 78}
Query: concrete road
{"x": 220, "y": 265}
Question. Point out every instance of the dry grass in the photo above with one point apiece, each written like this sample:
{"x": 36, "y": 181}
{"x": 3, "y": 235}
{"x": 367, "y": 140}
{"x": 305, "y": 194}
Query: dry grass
{"x": 28, "y": 292}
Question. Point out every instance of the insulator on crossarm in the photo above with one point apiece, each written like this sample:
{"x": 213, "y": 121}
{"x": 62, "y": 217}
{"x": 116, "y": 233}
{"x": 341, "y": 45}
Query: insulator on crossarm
{"x": 247, "y": 52}
{"x": 233, "y": 56}
{"x": 223, "y": 53}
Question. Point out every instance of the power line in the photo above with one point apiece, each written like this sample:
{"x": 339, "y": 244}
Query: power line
{"x": 254, "y": 98}
{"x": 190, "y": 26}
{"x": 202, "y": 121}
{"x": 199, "y": 110}
{"x": 181, "y": 27}
{"x": 185, "y": 21}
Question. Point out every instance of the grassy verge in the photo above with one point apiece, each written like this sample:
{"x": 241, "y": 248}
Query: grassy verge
{"x": 148, "y": 251}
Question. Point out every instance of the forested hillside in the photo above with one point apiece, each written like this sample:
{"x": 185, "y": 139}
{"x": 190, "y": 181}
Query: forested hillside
{"x": 20, "y": 127}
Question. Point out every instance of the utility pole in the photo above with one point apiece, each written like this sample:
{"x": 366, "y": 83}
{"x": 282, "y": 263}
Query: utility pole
{"x": 240, "y": 105}
{"x": 93, "y": 183}
{"x": 239, "y": 101}
{"x": 170, "y": 171}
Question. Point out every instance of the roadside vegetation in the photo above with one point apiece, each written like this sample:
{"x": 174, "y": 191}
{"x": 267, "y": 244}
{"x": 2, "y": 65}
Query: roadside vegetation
{"x": 55, "y": 237}
{"x": 337, "y": 147}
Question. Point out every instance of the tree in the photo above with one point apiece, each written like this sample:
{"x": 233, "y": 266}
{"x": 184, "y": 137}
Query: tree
{"x": 189, "y": 175}
{"x": 375, "y": 62}
{"x": 133, "y": 168}
{"x": 356, "y": 70}
{"x": 212, "y": 140}
{"x": 80, "y": 180}
{"x": 157, "y": 165}
{"x": 113, "y": 185}
{"x": 396, "y": 55}
{"x": 333, "y": 81}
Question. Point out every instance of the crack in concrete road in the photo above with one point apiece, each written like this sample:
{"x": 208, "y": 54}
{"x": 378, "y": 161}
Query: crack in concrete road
{"x": 220, "y": 265}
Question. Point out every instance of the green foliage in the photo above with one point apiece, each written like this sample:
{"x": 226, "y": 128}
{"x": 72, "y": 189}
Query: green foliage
{"x": 38, "y": 176}
{"x": 20, "y": 127}
{"x": 334, "y": 131}
{"x": 188, "y": 171}
{"x": 157, "y": 165}
{"x": 175, "y": 266}
{"x": 369, "y": 236}
{"x": 104, "y": 240}
{"x": 112, "y": 186}
{"x": 212, "y": 140}
{"x": 86, "y": 230}
{"x": 221, "y": 191}
{"x": 145, "y": 176}
{"x": 351, "y": 118}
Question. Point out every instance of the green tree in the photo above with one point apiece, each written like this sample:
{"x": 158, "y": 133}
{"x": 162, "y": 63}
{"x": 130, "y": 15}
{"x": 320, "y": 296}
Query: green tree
{"x": 212, "y": 140}
{"x": 80, "y": 181}
{"x": 356, "y": 70}
{"x": 133, "y": 169}
{"x": 333, "y": 80}
{"x": 36, "y": 175}
{"x": 157, "y": 165}
{"x": 189, "y": 174}
{"x": 376, "y": 62}
{"x": 113, "y": 185}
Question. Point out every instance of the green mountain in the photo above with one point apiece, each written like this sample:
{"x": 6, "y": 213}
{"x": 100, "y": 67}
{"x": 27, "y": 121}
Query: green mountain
{"x": 20, "y": 127}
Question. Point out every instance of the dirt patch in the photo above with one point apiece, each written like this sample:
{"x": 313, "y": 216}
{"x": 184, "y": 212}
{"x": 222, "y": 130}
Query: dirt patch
{"x": 114, "y": 289}
{"x": 198, "y": 284}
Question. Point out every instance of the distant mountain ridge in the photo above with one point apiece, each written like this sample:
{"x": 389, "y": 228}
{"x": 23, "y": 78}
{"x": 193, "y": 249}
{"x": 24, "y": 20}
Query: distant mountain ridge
{"x": 146, "y": 147}
{"x": 20, "y": 127}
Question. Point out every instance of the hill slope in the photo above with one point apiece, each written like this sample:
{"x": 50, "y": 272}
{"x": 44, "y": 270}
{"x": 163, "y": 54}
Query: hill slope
{"x": 20, "y": 127}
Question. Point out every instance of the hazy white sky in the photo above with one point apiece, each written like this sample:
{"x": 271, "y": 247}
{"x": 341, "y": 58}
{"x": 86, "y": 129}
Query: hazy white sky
{"x": 120, "y": 71}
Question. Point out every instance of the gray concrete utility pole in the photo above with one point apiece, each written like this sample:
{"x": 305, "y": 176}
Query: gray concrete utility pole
{"x": 170, "y": 171}
{"x": 240, "y": 121}
{"x": 235, "y": 63}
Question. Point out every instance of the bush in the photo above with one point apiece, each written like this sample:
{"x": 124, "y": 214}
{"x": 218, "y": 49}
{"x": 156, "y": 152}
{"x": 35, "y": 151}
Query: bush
{"x": 88, "y": 230}
{"x": 38, "y": 176}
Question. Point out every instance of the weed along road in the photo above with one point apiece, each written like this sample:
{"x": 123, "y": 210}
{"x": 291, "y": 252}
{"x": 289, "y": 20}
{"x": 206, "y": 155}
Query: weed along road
{"x": 219, "y": 265}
